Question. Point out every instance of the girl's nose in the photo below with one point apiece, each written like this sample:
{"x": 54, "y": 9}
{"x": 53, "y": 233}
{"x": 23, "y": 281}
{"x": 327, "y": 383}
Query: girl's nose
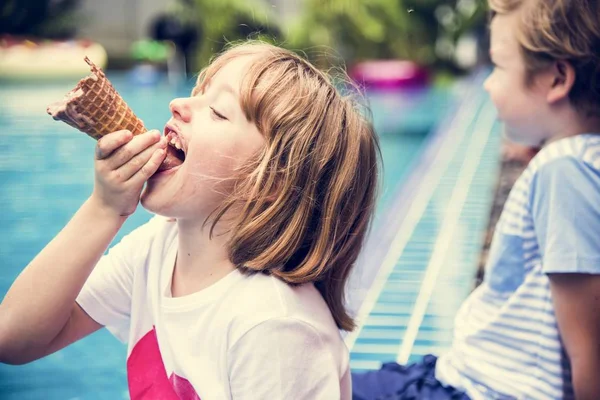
{"x": 180, "y": 108}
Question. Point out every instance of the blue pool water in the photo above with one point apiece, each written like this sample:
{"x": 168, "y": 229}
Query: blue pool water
{"x": 46, "y": 172}
{"x": 431, "y": 239}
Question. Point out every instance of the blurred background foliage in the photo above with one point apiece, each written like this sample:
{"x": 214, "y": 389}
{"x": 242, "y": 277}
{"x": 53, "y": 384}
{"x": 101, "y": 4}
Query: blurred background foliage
{"x": 428, "y": 32}
{"x": 52, "y": 19}
{"x": 425, "y": 31}
{"x": 223, "y": 21}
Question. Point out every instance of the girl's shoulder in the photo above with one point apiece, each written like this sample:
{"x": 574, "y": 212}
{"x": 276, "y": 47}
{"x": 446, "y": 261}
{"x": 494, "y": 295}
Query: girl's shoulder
{"x": 262, "y": 298}
{"x": 156, "y": 234}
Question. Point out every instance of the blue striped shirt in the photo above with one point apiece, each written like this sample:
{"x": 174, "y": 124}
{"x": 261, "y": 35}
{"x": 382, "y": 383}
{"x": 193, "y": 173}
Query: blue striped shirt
{"x": 506, "y": 339}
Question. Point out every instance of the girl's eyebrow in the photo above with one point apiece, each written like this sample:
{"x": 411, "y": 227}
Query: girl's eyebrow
{"x": 223, "y": 86}
{"x": 228, "y": 88}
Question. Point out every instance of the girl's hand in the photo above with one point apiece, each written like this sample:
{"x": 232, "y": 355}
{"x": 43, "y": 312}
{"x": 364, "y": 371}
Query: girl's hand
{"x": 123, "y": 165}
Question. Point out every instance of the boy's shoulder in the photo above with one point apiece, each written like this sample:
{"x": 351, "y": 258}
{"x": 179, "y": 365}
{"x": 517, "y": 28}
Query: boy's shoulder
{"x": 581, "y": 150}
{"x": 562, "y": 168}
{"x": 559, "y": 169}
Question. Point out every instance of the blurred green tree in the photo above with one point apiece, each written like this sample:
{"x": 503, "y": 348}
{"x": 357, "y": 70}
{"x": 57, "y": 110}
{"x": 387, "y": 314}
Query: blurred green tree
{"x": 426, "y": 31}
{"x": 223, "y": 21}
{"x": 53, "y": 19}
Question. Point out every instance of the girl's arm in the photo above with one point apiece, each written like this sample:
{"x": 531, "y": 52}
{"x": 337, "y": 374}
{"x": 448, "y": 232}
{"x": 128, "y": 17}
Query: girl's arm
{"x": 39, "y": 314}
{"x": 576, "y": 300}
{"x": 41, "y": 301}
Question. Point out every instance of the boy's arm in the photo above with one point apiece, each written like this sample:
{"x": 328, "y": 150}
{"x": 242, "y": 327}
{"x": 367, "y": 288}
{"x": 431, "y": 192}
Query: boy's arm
{"x": 566, "y": 217}
{"x": 576, "y": 300}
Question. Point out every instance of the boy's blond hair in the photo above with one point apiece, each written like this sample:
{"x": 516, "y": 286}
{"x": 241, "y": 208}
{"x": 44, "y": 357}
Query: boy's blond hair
{"x": 567, "y": 30}
{"x": 308, "y": 198}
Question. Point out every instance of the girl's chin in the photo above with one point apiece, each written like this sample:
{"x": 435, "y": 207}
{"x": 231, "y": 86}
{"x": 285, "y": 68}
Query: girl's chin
{"x": 146, "y": 202}
{"x": 154, "y": 199}
{"x": 159, "y": 179}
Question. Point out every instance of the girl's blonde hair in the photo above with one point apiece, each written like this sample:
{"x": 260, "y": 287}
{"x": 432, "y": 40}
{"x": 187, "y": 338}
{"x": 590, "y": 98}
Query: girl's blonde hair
{"x": 307, "y": 199}
{"x": 567, "y": 30}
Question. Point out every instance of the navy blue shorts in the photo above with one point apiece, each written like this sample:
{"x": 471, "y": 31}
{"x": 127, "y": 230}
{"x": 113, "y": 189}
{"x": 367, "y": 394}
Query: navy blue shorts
{"x": 396, "y": 382}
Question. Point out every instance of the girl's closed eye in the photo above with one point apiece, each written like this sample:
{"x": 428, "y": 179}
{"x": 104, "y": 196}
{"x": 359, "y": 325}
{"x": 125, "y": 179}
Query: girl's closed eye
{"x": 218, "y": 115}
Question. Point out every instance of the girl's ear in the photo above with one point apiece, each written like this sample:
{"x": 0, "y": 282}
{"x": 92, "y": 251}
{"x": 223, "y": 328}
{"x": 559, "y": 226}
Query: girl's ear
{"x": 563, "y": 78}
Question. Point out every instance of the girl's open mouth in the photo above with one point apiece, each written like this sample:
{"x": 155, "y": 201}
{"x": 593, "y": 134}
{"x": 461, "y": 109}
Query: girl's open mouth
{"x": 175, "y": 150}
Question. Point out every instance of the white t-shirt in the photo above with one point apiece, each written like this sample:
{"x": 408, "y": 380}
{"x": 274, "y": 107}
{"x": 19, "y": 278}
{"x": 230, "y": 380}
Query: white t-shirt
{"x": 244, "y": 337}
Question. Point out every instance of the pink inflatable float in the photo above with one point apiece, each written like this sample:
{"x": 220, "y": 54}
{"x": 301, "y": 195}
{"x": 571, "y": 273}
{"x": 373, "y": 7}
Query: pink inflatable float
{"x": 390, "y": 74}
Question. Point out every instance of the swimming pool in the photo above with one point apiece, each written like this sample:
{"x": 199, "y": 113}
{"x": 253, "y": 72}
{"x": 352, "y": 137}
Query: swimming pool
{"x": 46, "y": 172}
{"x": 419, "y": 267}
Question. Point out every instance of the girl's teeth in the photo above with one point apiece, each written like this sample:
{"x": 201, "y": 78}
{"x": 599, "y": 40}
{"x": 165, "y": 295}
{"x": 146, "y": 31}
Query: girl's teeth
{"x": 174, "y": 140}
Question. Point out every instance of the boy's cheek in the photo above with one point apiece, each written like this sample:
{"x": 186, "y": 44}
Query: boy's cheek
{"x": 497, "y": 102}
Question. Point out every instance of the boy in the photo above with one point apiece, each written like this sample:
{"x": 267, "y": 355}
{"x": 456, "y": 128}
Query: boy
{"x": 532, "y": 329}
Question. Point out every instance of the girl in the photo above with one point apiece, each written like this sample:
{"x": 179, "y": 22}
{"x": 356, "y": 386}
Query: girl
{"x": 235, "y": 289}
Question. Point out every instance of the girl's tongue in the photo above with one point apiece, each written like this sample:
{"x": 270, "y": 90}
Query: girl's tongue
{"x": 173, "y": 159}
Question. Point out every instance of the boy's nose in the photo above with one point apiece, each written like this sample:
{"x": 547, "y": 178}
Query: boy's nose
{"x": 486, "y": 84}
{"x": 180, "y": 109}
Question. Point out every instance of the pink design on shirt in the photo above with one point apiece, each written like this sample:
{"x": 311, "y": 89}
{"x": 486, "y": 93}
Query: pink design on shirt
{"x": 147, "y": 376}
{"x": 183, "y": 388}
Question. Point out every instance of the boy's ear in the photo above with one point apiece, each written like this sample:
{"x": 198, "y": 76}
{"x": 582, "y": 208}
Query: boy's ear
{"x": 563, "y": 79}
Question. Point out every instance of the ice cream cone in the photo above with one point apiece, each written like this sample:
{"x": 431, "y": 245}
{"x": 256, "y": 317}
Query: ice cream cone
{"x": 97, "y": 109}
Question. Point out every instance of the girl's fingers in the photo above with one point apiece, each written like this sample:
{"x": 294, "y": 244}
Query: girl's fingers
{"x": 132, "y": 166}
{"x": 130, "y": 150}
{"x": 150, "y": 168}
{"x": 108, "y": 144}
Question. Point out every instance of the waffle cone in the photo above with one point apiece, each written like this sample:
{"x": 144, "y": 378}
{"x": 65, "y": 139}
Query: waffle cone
{"x": 95, "y": 108}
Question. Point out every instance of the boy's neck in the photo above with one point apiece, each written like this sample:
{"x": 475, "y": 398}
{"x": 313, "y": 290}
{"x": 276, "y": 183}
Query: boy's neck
{"x": 201, "y": 260}
{"x": 572, "y": 123}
